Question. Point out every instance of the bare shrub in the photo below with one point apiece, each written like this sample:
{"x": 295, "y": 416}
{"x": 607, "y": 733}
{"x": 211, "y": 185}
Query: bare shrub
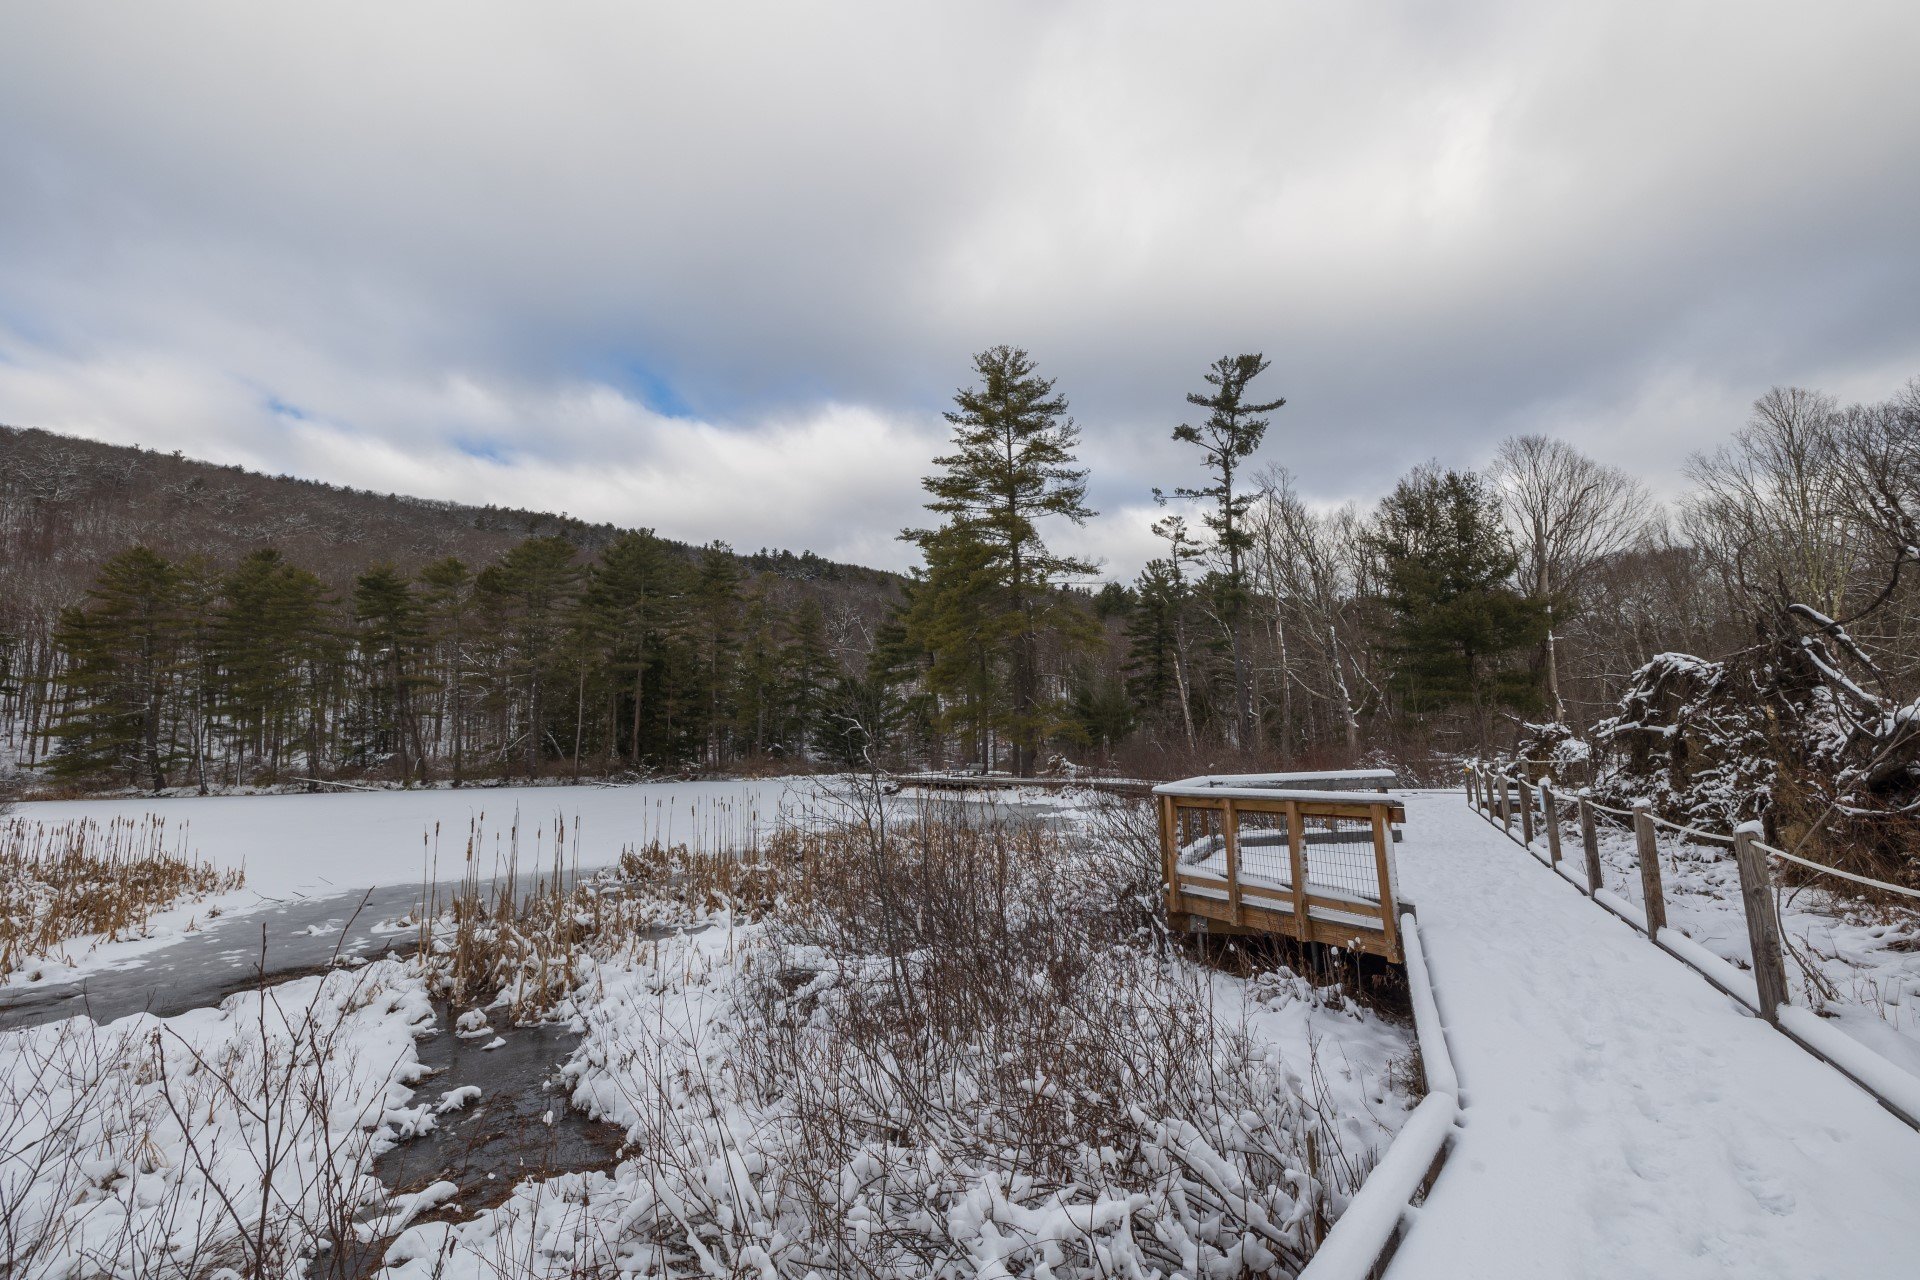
{"x": 948, "y": 1053}
{"x": 236, "y": 1140}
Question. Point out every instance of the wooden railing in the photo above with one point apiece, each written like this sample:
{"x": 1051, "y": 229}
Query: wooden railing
{"x": 1281, "y": 854}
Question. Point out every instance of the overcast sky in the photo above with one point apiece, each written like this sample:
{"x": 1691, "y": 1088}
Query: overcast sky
{"x": 716, "y": 268}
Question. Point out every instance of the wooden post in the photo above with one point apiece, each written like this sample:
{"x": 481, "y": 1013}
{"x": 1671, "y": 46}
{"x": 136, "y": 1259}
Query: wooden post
{"x": 1590, "y": 844}
{"x": 1506, "y": 804}
{"x": 1526, "y": 814}
{"x": 1389, "y": 913}
{"x": 1297, "y": 863}
{"x": 1550, "y": 810}
{"x": 1763, "y": 923}
{"x": 1472, "y": 800}
{"x": 1649, "y": 849}
{"x": 1230, "y": 831}
{"x": 1170, "y": 853}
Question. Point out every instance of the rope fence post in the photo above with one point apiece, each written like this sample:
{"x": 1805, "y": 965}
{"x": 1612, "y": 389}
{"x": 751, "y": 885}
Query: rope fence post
{"x": 1649, "y": 852}
{"x": 1526, "y": 814}
{"x": 1506, "y": 804}
{"x": 1590, "y": 844}
{"x": 1550, "y": 811}
{"x": 1763, "y": 922}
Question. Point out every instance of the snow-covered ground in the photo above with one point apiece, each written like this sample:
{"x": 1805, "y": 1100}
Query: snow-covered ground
{"x": 229, "y": 1137}
{"x": 145, "y": 1133}
{"x": 1623, "y": 1118}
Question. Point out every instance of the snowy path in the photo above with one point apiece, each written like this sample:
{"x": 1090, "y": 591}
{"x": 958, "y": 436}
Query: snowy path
{"x": 1623, "y": 1118}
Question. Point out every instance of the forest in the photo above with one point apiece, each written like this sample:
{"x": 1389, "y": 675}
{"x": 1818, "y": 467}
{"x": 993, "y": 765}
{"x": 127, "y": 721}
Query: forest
{"x": 168, "y": 624}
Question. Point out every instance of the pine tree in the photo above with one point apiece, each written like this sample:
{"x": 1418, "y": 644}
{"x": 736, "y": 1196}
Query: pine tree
{"x": 954, "y": 636}
{"x": 1456, "y": 620}
{"x": 1231, "y": 432}
{"x": 527, "y": 599}
{"x": 391, "y": 640}
{"x": 714, "y": 624}
{"x": 636, "y": 593}
{"x": 1013, "y": 466}
{"x": 808, "y": 672}
{"x": 447, "y": 589}
{"x": 124, "y": 650}
{"x": 276, "y": 655}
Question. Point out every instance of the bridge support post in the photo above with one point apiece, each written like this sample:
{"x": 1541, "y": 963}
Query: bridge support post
{"x": 1763, "y": 923}
{"x": 1649, "y": 850}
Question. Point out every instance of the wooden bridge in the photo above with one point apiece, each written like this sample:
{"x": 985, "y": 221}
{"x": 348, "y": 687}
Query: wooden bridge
{"x": 1302, "y": 855}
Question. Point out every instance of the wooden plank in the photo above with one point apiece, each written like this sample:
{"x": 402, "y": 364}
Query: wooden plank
{"x": 1311, "y": 808}
{"x": 1550, "y": 807}
{"x": 1526, "y": 815}
{"x": 1506, "y": 805}
{"x": 1590, "y": 845}
{"x": 1297, "y": 862}
{"x": 1382, "y": 850}
{"x": 1763, "y": 924}
{"x": 1170, "y": 852}
{"x": 1230, "y": 830}
{"x": 1649, "y": 850}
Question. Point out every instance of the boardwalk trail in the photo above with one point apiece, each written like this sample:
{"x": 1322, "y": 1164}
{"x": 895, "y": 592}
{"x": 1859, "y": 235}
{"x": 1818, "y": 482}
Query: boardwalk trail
{"x": 1623, "y": 1118}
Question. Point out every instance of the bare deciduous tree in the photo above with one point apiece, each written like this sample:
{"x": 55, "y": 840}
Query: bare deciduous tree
{"x": 1567, "y": 514}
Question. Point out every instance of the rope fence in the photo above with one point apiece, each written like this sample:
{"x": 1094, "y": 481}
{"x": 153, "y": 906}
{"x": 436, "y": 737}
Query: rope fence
{"x": 1493, "y": 795}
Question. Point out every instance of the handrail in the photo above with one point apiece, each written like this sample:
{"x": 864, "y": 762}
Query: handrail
{"x": 1284, "y": 779}
{"x": 1717, "y": 840}
{"x": 1197, "y": 789}
{"x": 1902, "y": 890}
{"x": 1297, "y": 885}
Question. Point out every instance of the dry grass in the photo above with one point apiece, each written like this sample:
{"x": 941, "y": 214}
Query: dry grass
{"x": 89, "y": 879}
{"x": 526, "y": 934}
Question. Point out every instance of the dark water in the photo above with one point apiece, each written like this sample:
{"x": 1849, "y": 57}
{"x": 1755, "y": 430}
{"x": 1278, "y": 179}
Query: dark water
{"x": 519, "y": 1127}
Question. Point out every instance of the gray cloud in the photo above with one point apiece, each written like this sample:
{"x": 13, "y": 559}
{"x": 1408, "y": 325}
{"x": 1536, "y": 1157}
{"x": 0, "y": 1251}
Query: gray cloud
{"x": 717, "y": 268}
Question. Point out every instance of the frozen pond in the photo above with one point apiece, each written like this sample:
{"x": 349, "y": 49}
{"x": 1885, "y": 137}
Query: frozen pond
{"x": 312, "y": 861}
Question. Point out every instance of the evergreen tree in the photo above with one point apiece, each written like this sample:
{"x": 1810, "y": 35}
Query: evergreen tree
{"x": 527, "y": 599}
{"x": 954, "y": 637}
{"x": 758, "y": 705}
{"x": 714, "y": 624}
{"x": 1456, "y": 621}
{"x": 1013, "y": 466}
{"x": 808, "y": 672}
{"x": 276, "y": 655}
{"x": 1231, "y": 432}
{"x": 124, "y": 651}
{"x": 1099, "y": 712}
{"x": 447, "y": 589}
{"x": 391, "y": 641}
{"x": 636, "y": 593}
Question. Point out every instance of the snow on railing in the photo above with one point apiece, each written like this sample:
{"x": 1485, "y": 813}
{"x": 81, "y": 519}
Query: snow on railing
{"x": 1378, "y": 1212}
{"x": 1764, "y": 989}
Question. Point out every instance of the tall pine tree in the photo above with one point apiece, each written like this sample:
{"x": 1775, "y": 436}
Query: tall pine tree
{"x": 1228, "y": 436}
{"x": 1012, "y": 466}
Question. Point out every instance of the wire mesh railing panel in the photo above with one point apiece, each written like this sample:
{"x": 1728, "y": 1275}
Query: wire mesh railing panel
{"x": 1201, "y": 838}
{"x": 1340, "y": 856}
{"x": 1264, "y": 858}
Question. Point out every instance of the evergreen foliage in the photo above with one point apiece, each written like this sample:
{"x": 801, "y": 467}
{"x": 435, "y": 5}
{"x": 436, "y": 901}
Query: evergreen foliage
{"x": 1457, "y": 622}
